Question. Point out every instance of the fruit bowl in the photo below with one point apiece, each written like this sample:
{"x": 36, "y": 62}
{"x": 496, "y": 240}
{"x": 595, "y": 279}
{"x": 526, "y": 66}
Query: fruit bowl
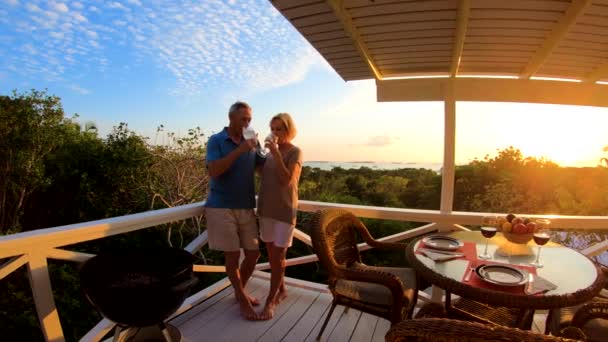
{"x": 518, "y": 238}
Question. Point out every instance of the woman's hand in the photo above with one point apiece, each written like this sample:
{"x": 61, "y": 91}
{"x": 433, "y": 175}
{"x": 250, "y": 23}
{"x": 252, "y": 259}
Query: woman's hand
{"x": 272, "y": 146}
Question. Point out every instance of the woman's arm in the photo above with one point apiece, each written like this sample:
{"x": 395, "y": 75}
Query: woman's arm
{"x": 287, "y": 173}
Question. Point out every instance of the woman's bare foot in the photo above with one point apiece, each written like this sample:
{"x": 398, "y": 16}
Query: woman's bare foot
{"x": 247, "y": 310}
{"x": 254, "y": 301}
{"x": 267, "y": 313}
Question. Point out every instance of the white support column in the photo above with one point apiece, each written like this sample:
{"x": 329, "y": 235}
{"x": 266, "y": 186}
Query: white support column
{"x": 43, "y": 298}
{"x": 449, "y": 149}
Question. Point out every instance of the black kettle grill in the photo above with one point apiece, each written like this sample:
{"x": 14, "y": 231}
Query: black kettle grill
{"x": 138, "y": 288}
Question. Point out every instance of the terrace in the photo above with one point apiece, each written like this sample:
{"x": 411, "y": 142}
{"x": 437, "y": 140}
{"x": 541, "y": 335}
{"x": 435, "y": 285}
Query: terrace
{"x": 533, "y": 51}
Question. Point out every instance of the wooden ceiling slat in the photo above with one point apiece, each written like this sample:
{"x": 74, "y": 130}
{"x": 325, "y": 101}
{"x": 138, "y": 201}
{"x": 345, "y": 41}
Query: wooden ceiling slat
{"x": 582, "y": 51}
{"x": 402, "y": 7}
{"x": 584, "y": 45}
{"x": 496, "y": 53}
{"x": 432, "y": 68}
{"x": 515, "y": 14}
{"x": 531, "y": 5}
{"x": 498, "y": 47}
{"x": 333, "y": 42}
{"x": 490, "y": 63}
{"x": 599, "y": 9}
{"x": 506, "y": 32}
{"x": 414, "y": 54}
{"x": 413, "y": 26}
{"x": 326, "y": 36}
{"x": 307, "y": 10}
{"x": 404, "y": 18}
{"x": 408, "y": 34}
{"x": 596, "y": 20}
{"x": 339, "y": 48}
{"x": 586, "y": 37}
{"x": 577, "y": 57}
{"x": 484, "y": 59}
{"x": 508, "y": 23}
{"x": 286, "y": 4}
{"x": 504, "y": 40}
{"x": 477, "y": 70}
{"x": 400, "y": 61}
{"x": 409, "y": 42}
{"x": 314, "y": 20}
{"x": 434, "y": 47}
{"x": 344, "y": 54}
{"x": 321, "y": 28}
{"x": 589, "y": 29}
{"x": 364, "y": 3}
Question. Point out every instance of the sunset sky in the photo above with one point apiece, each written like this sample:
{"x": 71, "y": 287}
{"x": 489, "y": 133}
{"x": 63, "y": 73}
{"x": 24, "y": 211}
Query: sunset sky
{"x": 181, "y": 64}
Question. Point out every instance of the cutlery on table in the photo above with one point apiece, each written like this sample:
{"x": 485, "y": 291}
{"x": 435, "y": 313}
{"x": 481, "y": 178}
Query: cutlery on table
{"x": 530, "y": 284}
{"x": 468, "y": 276}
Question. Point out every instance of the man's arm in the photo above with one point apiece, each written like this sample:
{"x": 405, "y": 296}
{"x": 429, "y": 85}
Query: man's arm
{"x": 217, "y": 167}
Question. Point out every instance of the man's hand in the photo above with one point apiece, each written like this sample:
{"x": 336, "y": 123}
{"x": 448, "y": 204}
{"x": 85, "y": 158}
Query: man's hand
{"x": 248, "y": 145}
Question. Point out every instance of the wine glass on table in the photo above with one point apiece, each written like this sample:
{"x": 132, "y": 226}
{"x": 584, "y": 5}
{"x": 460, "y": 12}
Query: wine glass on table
{"x": 541, "y": 237}
{"x": 488, "y": 230}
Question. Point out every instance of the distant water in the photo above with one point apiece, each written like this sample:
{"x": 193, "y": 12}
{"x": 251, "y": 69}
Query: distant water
{"x": 328, "y": 165}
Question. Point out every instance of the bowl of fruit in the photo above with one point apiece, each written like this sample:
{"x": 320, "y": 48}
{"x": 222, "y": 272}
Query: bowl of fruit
{"x": 517, "y": 229}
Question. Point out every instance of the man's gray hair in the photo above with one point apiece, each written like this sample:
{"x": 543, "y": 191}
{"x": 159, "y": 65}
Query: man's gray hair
{"x": 236, "y": 106}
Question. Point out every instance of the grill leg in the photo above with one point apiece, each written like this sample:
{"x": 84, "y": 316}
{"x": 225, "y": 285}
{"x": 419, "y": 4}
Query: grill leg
{"x": 165, "y": 331}
{"x": 117, "y": 332}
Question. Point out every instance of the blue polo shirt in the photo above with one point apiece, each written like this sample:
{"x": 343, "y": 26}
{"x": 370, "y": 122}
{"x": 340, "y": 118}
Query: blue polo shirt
{"x": 233, "y": 189}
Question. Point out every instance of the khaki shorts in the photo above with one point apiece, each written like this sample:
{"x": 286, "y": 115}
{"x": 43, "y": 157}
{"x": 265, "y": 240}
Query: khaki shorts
{"x": 232, "y": 229}
{"x": 275, "y": 231}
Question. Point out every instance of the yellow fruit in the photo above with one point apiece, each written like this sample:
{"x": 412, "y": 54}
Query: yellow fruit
{"x": 501, "y": 221}
{"x": 506, "y": 227}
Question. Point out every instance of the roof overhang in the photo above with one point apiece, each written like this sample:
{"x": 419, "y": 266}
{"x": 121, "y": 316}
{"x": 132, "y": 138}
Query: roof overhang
{"x": 521, "y": 39}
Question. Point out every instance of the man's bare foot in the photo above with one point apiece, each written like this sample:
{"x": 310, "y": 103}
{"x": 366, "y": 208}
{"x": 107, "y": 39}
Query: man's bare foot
{"x": 281, "y": 295}
{"x": 247, "y": 311}
{"x": 254, "y": 301}
{"x": 267, "y": 313}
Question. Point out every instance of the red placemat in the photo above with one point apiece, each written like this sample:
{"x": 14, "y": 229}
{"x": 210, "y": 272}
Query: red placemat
{"x": 478, "y": 282}
{"x": 468, "y": 249}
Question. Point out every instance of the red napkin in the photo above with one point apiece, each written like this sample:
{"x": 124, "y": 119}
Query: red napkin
{"x": 468, "y": 249}
{"x": 478, "y": 282}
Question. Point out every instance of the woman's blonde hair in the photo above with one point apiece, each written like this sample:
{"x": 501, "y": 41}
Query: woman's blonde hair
{"x": 287, "y": 121}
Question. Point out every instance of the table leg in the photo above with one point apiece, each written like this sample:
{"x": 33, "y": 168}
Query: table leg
{"x": 436, "y": 294}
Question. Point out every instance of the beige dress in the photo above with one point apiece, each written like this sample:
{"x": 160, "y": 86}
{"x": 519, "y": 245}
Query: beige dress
{"x": 275, "y": 200}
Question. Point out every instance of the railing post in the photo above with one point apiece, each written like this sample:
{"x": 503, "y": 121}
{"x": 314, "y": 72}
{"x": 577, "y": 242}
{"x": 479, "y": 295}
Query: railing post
{"x": 42, "y": 292}
{"x": 449, "y": 149}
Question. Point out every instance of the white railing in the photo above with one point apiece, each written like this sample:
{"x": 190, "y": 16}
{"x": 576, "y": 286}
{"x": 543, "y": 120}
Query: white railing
{"x": 35, "y": 247}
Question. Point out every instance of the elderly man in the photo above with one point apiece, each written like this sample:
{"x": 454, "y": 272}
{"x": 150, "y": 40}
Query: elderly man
{"x": 231, "y": 222}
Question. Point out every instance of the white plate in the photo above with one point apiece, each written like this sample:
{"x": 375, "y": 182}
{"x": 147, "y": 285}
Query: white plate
{"x": 502, "y": 275}
{"x": 442, "y": 242}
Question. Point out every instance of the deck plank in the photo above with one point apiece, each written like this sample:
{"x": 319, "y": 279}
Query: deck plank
{"x": 335, "y": 317}
{"x": 298, "y": 318}
{"x": 253, "y": 329}
{"x": 200, "y": 308}
{"x": 381, "y": 330}
{"x": 364, "y": 330}
{"x": 222, "y": 313}
{"x": 345, "y": 327}
{"x": 291, "y": 318}
{"x": 310, "y": 318}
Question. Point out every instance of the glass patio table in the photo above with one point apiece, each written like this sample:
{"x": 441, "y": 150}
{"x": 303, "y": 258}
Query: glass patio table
{"x": 577, "y": 278}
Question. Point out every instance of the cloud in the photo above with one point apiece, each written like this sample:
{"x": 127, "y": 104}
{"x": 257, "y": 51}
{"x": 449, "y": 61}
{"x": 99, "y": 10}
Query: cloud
{"x": 201, "y": 45}
{"x": 381, "y": 141}
{"x": 79, "y": 89}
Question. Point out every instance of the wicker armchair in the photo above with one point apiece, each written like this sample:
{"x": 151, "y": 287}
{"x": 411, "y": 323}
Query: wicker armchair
{"x": 388, "y": 292}
{"x": 449, "y": 330}
{"x": 590, "y": 318}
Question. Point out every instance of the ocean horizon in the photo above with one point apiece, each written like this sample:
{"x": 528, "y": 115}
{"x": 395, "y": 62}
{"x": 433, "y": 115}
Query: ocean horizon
{"x": 328, "y": 165}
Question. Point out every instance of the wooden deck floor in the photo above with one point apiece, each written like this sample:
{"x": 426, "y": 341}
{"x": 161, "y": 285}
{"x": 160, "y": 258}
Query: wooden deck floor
{"x": 298, "y": 318}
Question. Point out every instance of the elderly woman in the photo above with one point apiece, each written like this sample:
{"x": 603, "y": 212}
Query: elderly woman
{"x": 278, "y": 203}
